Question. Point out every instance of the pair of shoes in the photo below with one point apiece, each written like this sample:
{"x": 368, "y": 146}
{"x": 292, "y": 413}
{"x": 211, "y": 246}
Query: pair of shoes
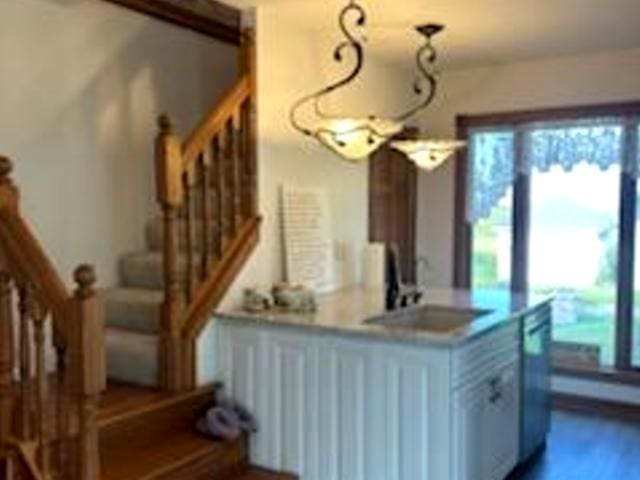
{"x": 227, "y": 421}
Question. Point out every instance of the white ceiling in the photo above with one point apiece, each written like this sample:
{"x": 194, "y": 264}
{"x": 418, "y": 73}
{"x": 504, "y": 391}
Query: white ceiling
{"x": 481, "y": 32}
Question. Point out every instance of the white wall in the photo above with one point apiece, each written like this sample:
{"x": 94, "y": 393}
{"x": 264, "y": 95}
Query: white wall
{"x": 292, "y": 63}
{"x": 601, "y": 78}
{"x": 81, "y": 85}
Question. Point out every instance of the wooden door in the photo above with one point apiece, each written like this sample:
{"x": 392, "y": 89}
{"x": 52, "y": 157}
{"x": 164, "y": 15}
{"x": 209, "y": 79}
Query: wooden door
{"x": 392, "y": 205}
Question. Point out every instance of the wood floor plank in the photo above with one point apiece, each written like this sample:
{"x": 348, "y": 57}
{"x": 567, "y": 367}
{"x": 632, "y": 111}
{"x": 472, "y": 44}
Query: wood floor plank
{"x": 586, "y": 447}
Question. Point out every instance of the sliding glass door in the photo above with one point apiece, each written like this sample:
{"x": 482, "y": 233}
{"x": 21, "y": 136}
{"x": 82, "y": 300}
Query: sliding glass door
{"x": 550, "y": 207}
{"x": 492, "y": 245}
{"x": 573, "y": 250}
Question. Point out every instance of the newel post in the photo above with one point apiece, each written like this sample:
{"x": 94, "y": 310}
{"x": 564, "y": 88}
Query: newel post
{"x": 88, "y": 369}
{"x": 170, "y": 195}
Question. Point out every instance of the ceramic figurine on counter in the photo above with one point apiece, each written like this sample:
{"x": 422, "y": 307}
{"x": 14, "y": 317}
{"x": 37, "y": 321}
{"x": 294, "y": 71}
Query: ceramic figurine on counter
{"x": 256, "y": 301}
{"x": 294, "y": 298}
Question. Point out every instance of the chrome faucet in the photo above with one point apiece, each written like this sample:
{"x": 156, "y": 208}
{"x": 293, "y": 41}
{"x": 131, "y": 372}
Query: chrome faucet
{"x": 397, "y": 294}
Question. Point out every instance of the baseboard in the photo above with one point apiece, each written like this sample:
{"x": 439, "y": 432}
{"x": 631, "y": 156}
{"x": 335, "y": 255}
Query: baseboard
{"x": 596, "y": 406}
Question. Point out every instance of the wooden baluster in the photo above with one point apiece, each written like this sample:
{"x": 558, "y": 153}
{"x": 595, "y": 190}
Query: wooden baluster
{"x": 247, "y": 187}
{"x": 237, "y": 160}
{"x": 170, "y": 194}
{"x": 230, "y": 185}
{"x": 25, "y": 418}
{"x": 62, "y": 411}
{"x": 229, "y": 169}
{"x": 189, "y": 237}
{"x": 7, "y": 349}
{"x": 38, "y": 316}
{"x": 205, "y": 227}
{"x": 6, "y": 357}
{"x": 226, "y": 190}
{"x": 218, "y": 195}
{"x": 248, "y": 65}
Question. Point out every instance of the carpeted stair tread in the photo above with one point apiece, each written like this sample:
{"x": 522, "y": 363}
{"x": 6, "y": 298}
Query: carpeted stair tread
{"x": 133, "y": 309}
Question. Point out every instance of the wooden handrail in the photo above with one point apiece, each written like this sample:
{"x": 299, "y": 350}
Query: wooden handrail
{"x": 207, "y": 180}
{"x": 25, "y": 256}
{"x": 215, "y": 122}
{"x": 77, "y": 320}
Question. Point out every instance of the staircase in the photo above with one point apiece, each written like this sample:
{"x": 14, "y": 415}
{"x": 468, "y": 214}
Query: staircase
{"x": 111, "y": 393}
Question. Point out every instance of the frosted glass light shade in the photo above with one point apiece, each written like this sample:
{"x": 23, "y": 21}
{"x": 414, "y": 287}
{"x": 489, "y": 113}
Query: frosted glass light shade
{"x": 428, "y": 154}
{"x": 355, "y": 138}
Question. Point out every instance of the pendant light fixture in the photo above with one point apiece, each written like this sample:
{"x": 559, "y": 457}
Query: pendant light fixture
{"x": 354, "y": 137}
{"x": 427, "y": 154}
{"x": 351, "y": 137}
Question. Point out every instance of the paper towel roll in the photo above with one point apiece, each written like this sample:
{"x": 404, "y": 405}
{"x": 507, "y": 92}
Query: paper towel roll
{"x": 373, "y": 265}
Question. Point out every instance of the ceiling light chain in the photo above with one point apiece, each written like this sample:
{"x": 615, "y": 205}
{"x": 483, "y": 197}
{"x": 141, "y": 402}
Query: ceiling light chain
{"x": 426, "y": 58}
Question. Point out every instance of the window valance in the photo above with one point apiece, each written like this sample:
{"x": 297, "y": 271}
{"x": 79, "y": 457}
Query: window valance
{"x": 494, "y": 163}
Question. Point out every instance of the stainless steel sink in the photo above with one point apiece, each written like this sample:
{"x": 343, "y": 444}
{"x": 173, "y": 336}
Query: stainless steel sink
{"x": 430, "y": 318}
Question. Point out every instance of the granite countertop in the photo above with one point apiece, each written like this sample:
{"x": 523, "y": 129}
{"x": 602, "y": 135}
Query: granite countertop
{"x": 351, "y": 311}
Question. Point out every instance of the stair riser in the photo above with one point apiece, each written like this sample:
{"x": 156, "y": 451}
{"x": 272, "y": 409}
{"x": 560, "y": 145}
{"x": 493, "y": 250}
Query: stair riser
{"x": 132, "y": 358}
{"x": 132, "y": 317}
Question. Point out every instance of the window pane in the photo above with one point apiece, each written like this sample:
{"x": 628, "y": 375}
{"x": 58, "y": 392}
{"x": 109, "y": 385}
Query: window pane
{"x": 491, "y": 250}
{"x": 573, "y": 253}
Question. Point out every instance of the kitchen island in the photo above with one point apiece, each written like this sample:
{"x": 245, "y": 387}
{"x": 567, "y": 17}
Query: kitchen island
{"x": 351, "y": 392}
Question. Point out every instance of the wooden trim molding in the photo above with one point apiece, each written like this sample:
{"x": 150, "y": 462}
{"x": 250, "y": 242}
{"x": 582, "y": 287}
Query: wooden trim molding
{"x": 462, "y": 229}
{"x": 596, "y": 406}
{"x": 208, "y": 17}
{"x": 602, "y": 374}
{"x": 545, "y": 114}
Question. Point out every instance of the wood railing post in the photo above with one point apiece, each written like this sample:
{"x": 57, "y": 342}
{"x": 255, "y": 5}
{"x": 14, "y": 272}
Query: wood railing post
{"x": 89, "y": 369}
{"x": 170, "y": 196}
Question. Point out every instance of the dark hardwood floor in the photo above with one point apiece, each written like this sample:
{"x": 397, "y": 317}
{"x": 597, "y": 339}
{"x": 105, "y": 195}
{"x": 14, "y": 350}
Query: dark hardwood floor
{"x": 583, "y": 447}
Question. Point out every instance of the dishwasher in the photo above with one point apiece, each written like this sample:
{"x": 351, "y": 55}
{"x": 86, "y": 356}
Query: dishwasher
{"x": 535, "y": 381}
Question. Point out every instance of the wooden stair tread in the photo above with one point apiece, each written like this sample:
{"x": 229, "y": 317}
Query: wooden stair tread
{"x": 123, "y": 398}
{"x": 258, "y": 474}
{"x": 149, "y": 456}
{"x": 124, "y": 402}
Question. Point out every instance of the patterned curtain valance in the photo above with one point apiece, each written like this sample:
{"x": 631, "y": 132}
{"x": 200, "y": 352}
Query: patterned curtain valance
{"x": 493, "y": 163}
{"x": 566, "y": 144}
{"x": 491, "y": 170}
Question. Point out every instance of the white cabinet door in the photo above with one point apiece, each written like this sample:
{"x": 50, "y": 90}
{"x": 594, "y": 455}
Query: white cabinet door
{"x": 501, "y": 424}
{"x": 293, "y": 403}
{"x": 410, "y": 417}
{"x": 242, "y": 363}
{"x": 468, "y": 436}
{"x": 344, "y": 409}
{"x": 485, "y": 418}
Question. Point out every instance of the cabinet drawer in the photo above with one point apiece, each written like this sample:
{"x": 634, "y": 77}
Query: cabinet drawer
{"x": 476, "y": 360}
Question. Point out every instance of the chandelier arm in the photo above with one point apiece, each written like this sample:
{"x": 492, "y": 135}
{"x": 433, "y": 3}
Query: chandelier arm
{"x": 352, "y": 43}
{"x": 425, "y": 60}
